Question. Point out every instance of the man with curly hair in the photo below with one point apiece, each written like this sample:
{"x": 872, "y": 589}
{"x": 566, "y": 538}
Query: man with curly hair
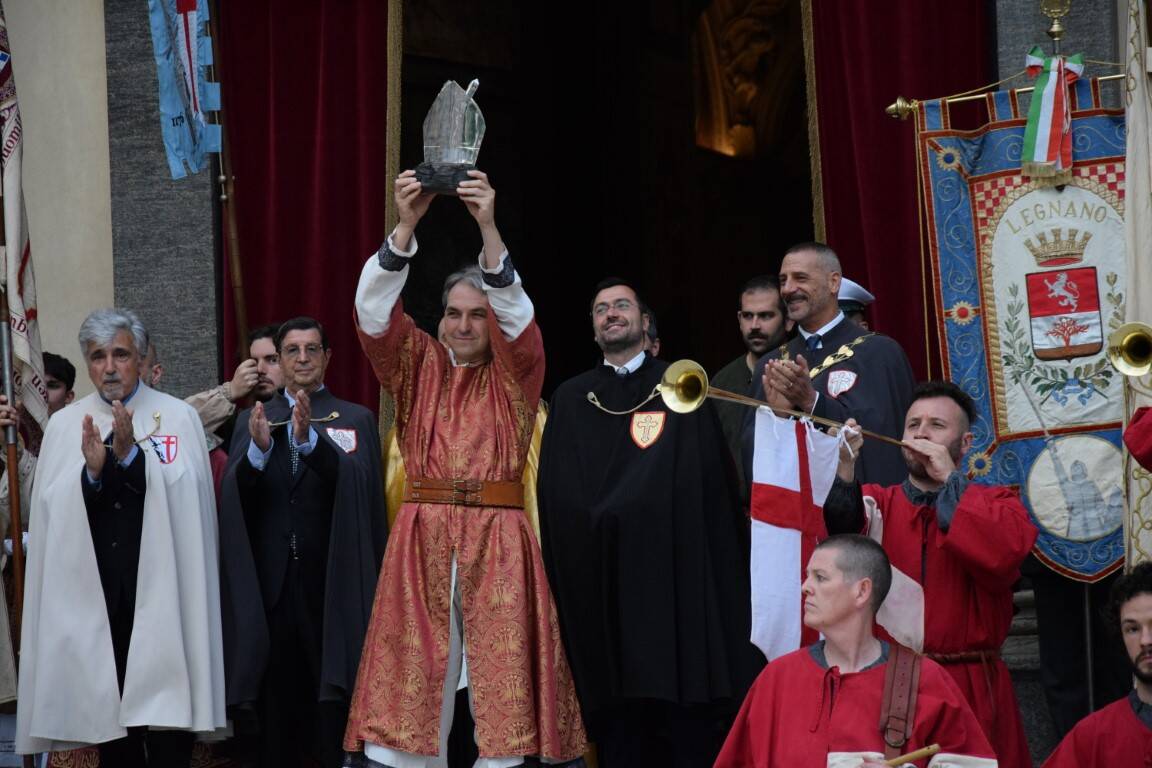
{"x": 1120, "y": 734}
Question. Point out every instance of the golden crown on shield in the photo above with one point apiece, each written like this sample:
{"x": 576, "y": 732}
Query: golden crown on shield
{"x": 1058, "y": 250}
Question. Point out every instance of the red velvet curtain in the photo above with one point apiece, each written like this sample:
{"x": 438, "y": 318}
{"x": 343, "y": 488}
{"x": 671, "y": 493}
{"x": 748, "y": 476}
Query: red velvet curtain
{"x": 866, "y": 54}
{"x": 305, "y": 93}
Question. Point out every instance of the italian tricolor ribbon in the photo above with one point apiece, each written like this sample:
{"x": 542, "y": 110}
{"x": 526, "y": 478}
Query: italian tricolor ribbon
{"x": 1048, "y": 134}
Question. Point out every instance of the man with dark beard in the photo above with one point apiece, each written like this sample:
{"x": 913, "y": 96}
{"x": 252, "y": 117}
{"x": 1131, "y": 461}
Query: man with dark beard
{"x": 761, "y": 319}
{"x": 1120, "y": 734}
{"x": 962, "y": 542}
{"x": 262, "y": 351}
{"x": 257, "y": 375}
{"x": 647, "y": 554}
{"x": 833, "y": 368}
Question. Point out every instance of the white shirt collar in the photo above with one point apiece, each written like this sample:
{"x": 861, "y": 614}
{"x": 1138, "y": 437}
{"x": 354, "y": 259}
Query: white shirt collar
{"x": 823, "y": 331}
{"x": 630, "y": 366}
{"x": 292, "y": 400}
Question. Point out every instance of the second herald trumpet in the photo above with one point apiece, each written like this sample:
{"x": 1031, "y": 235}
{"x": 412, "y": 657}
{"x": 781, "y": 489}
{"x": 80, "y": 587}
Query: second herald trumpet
{"x": 1130, "y": 349}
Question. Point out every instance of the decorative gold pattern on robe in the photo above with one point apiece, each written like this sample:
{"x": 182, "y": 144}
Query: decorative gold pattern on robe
{"x": 464, "y": 423}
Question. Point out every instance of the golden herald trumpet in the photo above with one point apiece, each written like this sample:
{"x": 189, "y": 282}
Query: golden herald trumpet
{"x": 684, "y": 387}
{"x": 1130, "y": 349}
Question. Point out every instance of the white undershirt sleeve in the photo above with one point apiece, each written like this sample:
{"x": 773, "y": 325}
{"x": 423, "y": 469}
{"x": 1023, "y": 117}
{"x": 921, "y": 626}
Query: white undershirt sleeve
{"x": 379, "y": 289}
{"x": 511, "y": 304}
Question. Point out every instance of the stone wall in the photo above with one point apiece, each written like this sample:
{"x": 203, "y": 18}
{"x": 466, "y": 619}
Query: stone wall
{"x": 163, "y": 243}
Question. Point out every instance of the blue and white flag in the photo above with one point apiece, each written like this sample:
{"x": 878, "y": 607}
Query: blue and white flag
{"x": 183, "y": 50}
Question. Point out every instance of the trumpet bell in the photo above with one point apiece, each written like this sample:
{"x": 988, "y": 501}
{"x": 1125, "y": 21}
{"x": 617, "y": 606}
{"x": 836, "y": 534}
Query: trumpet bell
{"x": 684, "y": 386}
{"x": 1130, "y": 349}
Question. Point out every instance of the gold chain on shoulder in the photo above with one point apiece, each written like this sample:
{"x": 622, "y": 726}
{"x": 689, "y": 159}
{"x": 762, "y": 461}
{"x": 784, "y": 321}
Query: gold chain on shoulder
{"x": 839, "y": 355}
{"x": 596, "y": 402}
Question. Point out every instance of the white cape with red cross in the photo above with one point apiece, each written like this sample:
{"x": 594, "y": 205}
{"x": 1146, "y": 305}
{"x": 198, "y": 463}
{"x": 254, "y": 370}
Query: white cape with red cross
{"x": 793, "y": 467}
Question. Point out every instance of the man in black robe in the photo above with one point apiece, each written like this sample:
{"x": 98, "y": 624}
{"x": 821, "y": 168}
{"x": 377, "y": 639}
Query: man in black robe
{"x": 302, "y": 533}
{"x": 834, "y": 368}
{"x": 647, "y": 554}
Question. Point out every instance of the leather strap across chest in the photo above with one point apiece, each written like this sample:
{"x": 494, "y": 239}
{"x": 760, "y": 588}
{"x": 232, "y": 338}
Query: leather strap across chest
{"x": 467, "y": 493}
{"x": 898, "y": 710}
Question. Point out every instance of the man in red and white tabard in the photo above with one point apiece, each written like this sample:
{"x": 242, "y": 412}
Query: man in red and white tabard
{"x": 961, "y": 541}
{"x": 462, "y": 589}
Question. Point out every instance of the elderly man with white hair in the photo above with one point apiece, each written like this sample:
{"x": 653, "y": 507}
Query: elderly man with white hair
{"x": 121, "y": 643}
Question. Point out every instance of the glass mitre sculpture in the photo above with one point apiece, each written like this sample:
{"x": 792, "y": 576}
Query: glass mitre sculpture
{"x": 453, "y": 131}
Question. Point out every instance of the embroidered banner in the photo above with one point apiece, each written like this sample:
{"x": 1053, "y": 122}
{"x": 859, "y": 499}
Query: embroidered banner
{"x": 17, "y": 278}
{"x": 1029, "y": 279}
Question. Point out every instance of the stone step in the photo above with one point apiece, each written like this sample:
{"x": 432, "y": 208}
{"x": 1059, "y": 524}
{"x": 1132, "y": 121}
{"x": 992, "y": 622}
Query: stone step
{"x": 1021, "y": 652}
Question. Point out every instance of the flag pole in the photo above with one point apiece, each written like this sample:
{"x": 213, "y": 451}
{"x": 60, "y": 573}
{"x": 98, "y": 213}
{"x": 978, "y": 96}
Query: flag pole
{"x": 13, "y": 470}
{"x": 10, "y": 438}
{"x": 228, "y": 194}
{"x": 13, "y": 459}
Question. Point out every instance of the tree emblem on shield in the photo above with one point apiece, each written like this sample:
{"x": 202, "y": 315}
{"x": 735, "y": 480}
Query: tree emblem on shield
{"x": 1064, "y": 307}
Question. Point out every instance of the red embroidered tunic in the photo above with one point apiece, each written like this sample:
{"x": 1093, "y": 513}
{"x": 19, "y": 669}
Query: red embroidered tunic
{"x": 463, "y": 423}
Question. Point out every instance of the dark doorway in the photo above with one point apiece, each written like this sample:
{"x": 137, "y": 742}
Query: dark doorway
{"x": 592, "y": 113}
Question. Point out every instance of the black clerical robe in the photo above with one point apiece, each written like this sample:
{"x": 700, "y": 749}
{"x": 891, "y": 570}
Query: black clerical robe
{"x": 645, "y": 546}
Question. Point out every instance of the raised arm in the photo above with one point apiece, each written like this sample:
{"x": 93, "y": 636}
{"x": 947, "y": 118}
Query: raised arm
{"x": 385, "y": 272}
{"x": 502, "y": 285}
{"x": 844, "y": 507}
{"x": 989, "y": 531}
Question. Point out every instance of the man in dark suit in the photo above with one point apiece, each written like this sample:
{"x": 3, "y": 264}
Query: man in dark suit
{"x": 304, "y": 489}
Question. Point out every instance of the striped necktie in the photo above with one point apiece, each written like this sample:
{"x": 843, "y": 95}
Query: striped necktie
{"x": 293, "y": 455}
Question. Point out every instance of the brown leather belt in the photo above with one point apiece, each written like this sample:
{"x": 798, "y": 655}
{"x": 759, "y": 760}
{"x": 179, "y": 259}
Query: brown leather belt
{"x": 984, "y": 658}
{"x": 964, "y": 657}
{"x": 468, "y": 493}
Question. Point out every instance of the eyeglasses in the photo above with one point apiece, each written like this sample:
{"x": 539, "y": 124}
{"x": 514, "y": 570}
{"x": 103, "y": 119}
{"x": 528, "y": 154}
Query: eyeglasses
{"x": 620, "y": 305}
{"x": 294, "y": 350}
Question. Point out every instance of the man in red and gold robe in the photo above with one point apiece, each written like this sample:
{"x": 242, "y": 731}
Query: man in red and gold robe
{"x": 462, "y": 591}
{"x": 962, "y": 542}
